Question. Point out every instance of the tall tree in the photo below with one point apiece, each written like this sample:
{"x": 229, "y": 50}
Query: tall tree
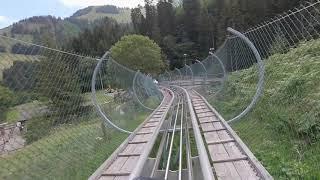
{"x": 151, "y": 23}
{"x": 166, "y": 17}
{"x": 138, "y": 20}
{"x": 205, "y": 32}
{"x": 192, "y": 9}
{"x": 98, "y": 40}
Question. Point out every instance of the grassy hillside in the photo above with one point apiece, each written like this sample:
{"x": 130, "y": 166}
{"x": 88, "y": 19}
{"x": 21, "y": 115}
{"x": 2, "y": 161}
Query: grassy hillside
{"x": 92, "y": 13}
{"x": 62, "y": 154}
{"x": 39, "y": 29}
{"x": 283, "y": 130}
{"x": 69, "y": 151}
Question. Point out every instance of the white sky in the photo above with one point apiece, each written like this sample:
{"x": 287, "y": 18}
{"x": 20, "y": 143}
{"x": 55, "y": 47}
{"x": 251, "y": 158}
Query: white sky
{"x": 3, "y": 19}
{"x": 85, "y": 3}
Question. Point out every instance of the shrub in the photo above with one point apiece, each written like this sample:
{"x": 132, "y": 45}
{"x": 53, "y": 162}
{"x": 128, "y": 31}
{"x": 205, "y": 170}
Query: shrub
{"x": 20, "y": 76}
{"x": 37, "y": 128}
{"x": 7, "y": 99}
{"x": 62, "y": 86}
{"x": 138, "y": 53}
{"x": 19, "y": 48}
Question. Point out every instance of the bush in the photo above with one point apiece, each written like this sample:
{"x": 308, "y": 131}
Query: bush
{"x": 20, "y": 76}
{"x": 37, "y": 128}
{"x": 138, "y": 53}
{"x": 7, "y": 99}
{"x": 62, "y": 86}
{"x": 19, "y": 48}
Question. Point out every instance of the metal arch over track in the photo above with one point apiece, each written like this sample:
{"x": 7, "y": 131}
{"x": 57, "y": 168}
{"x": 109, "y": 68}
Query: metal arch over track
{"x": 213, "y": 56}
{"x": 94, "y": 97}
{"x": 205, "y": 70}
{"x": 135, "y": 93}
{"x": 176, "y": 69}
{"x": 261, "y": 72}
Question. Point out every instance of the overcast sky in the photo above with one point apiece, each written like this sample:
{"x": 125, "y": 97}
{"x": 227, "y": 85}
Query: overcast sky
{"x": 15, "y": 10}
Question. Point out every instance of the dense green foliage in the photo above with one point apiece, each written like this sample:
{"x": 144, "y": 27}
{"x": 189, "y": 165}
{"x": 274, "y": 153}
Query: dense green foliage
{"x": 138, "y": 53}
{"x": 283, "y": 130}
{"x": 195, "y": 26}
{"x": 20, "y": 76}
{"x": 38, "y": 128}
{"x": 61, "y": 86}
{"x": 6, "y": 101}
{"x": 99, "y": 39}
{"x": 188, "y": 27}
{"x": 19, "y": 48}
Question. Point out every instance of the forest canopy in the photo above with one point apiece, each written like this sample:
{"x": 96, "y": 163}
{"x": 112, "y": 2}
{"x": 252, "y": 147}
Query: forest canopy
{"x": 192, "y": 27}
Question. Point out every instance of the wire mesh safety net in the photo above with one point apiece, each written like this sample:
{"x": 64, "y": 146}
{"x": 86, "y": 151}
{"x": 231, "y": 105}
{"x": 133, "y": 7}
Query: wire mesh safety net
{"x": 50, "y": 127}
{"x": 273, "y": 104}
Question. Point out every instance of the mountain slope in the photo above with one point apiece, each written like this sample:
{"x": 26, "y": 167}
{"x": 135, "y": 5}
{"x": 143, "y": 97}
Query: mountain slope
{"x": 44, "y": 29}
{"x": 39, "y": 29}
{"x": 92, "y": 13}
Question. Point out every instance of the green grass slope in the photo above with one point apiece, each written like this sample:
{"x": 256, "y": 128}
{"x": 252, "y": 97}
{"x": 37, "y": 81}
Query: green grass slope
{"x": 70, "y": 151}
{"x": 283, "y": 130}
{"x": 62, "y": 154}
{"x": 92, "y": 14}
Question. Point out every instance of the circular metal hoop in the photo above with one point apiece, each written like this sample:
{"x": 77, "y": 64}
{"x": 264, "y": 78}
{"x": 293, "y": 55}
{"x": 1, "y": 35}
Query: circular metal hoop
{"x": 260, "y": 85}
{"x": 94, "y": 97}
{"x": 135, "y": 93}
{"x": 223, "y": 71}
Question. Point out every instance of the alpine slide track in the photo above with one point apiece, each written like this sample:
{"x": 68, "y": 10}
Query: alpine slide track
{"x": 185, "y": 118}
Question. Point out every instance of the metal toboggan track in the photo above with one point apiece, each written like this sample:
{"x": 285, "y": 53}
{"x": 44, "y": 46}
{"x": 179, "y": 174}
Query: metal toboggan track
{"x": 221, "y": 153}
